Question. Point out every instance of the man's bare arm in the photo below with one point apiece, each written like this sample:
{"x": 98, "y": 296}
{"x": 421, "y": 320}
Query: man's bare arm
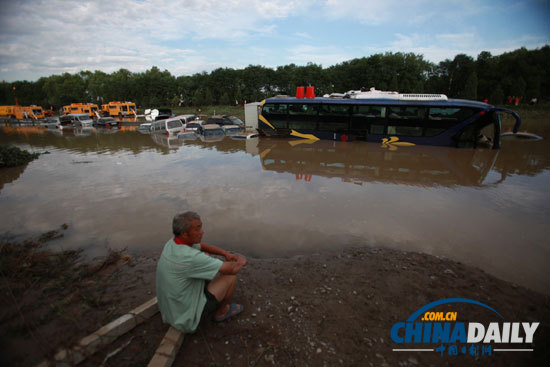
{"x": 218, "y": 251}
{"x": 231, "y": 267}
{"x": 213, "y": 250}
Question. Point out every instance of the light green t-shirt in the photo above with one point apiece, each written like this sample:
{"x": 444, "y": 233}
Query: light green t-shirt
{"x": 182, "y": 272}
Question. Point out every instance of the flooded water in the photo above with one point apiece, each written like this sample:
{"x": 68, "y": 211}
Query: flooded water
{"x": 269, "y": 198}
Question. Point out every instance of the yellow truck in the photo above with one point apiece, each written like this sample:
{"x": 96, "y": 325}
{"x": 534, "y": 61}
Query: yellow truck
{"x": 119, "y": 109}
{"x": 22, "y": 112}
{"x": 90, "y": 109}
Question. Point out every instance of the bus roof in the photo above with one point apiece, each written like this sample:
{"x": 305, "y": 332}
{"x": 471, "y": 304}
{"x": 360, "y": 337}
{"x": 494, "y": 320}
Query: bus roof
{"x": 380, "y": 101}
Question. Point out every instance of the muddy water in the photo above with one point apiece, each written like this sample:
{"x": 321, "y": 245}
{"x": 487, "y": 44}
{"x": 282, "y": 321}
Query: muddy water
{"x": 267, "y": 198}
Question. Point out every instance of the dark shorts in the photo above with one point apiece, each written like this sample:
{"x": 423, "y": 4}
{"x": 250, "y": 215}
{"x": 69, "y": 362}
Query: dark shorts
{"x": 212, "y": 304}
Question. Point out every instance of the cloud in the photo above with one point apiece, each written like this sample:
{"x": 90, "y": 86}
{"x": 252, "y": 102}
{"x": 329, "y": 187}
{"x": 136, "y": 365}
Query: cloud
{"x": 40, "y": 38}
{"x": 374, "y": 12}
{"x": 444, "y": 46}
{"x": 66, "y": 36}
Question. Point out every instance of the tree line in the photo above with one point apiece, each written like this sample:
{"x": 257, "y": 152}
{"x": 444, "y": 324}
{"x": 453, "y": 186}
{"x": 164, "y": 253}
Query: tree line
{"x": 521, "y": 73}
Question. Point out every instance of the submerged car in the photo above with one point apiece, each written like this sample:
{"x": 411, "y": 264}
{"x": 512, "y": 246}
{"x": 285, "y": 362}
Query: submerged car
{"x": 170, "y": 127}
{"x": 210, "y": 132}
{"x": 163, "y": 114}
{"x": 189, "y": 135}
{"x": 223, "y": 120}
{"x": 232, "y": 129}
{"x": 52, "y": 123}
{"x": 78, "y": 120}
{"x": 144, "y": 128}
{"x": 106, "y": 122}
{"x": 192, "y": 126}
{"x": 187, "y": 118}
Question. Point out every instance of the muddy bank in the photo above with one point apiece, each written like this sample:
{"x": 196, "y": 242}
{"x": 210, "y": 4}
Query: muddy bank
{"x": 51, "y": 299}
{"x": 324, "y": 309}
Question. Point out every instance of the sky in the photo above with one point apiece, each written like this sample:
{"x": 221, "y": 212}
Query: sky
{"x": 45, "y": 37}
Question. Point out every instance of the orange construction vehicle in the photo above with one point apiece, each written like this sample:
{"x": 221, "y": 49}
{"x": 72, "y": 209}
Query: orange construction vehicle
{"x": 89, "y": 108}
{"x": 119, "y": 109}
{"x": 22, "y": 112}
{"x": 34, "y": 112}
{"x": 11, "y": 112}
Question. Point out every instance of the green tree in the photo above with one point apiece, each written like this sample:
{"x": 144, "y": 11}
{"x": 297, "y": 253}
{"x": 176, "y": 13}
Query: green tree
{"x": 208, "y": 98}
{"x": 225, "y": 100}
{"x": 198, "y": 98}
{"x": 470, "y": 89}
{"x": 497, "y": 96}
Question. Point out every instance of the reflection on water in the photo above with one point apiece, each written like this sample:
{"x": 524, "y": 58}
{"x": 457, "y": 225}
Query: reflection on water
{"x": 269, "y": 197}
{"x": 10, "y": 174}
{"x": 367, "y": 163}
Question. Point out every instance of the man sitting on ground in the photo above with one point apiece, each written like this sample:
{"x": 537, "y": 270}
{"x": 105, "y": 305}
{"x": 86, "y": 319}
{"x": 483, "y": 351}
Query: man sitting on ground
{"x": 192, "y": 286}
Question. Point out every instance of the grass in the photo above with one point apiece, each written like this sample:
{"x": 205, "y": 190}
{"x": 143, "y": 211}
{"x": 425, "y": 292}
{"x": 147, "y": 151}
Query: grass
{"x": 13, "y": 156}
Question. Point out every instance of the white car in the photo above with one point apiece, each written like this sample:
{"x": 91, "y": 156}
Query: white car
{"x": 80, "y": 119}
{"x": 145, "y": 127}
{"x": 170, "y": 127}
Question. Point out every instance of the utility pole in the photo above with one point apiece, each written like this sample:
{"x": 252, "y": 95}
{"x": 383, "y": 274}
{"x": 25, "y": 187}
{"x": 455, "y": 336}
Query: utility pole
{"x": 15, "y": 96}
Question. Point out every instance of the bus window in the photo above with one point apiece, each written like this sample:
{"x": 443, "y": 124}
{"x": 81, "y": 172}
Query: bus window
{"x": 376, "y": 129}
{"x": 302, "y": 116}
{"x": 276, "y": 114}
{"x": 449, "y": 113}
{"x": 369, "y": 111}
{"x": 363, "y": 115}
{"x": 334, "y": 117}
{"x": 407, "y": 112}
{"x": 405, "y": 130}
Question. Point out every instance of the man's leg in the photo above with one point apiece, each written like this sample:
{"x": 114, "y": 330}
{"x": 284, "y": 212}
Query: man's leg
{"x": 222, "y": 287}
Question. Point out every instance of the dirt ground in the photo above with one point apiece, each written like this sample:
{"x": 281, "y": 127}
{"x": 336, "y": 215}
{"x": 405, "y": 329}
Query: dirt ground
{"x": 326, "y": 309}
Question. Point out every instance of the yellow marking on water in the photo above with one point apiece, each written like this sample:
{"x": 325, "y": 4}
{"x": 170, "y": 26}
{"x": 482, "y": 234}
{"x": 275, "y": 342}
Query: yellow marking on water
{"x": 304, "y": 136}
{"x": 293, "y": 143}
{"x": 264, "y": 153}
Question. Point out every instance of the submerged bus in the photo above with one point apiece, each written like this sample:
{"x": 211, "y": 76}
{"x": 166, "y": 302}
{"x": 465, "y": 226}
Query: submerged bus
{"x": 386, "y": 117}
